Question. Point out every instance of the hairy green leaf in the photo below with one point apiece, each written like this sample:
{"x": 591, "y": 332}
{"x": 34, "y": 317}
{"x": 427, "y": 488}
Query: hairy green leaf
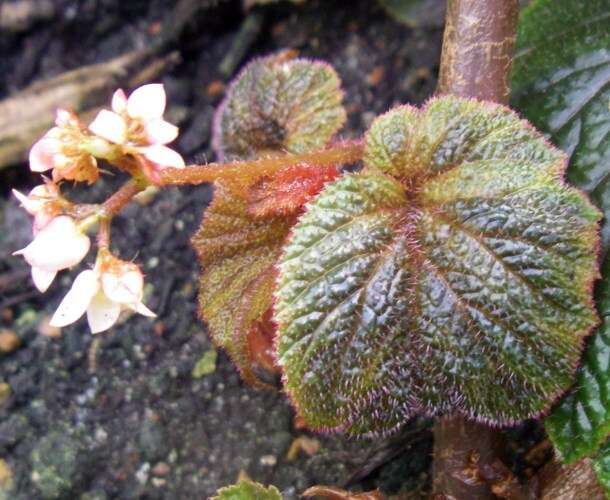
{"x": 248, "y": 490}
{"x": 453, "y": 276}
{"x": 601, "y": 466}
{"x": 561, "y": 82}
{"x": 279, "y": 104}
{"x": 581, "y": 421}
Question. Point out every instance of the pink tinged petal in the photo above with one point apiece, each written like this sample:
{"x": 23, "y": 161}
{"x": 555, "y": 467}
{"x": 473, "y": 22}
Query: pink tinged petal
{"x": 147, "y": 102}
{"x": 42, "y": 279}
{"x": 119, "y": 101}
{"x": 123, "y": 288}
{"x": 41, "y": 220}
{"x": 142, "y": 309}
{"x": 160, "y": 132}
{"x": 42, "y": 153}
{"x": 77, "y": 300}
{"x": 163, "y": 156}
{"x": 102, "y": 313}
{"x": 57, "y": 246}
{"x": 110, "y": 126}
{"x": 64, "y": 118}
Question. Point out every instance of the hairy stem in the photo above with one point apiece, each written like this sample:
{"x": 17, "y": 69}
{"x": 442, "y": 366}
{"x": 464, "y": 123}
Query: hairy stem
{"x": 103, "y": 234}
{"x": 478, "y": 48}
{"x": 476, "y": 60}
{"x": 122, "y": 197}
{"x": 341, "y": 153}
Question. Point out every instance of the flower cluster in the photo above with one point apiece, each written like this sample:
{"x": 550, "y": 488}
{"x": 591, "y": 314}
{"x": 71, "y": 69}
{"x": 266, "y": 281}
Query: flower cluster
{"x": 132, "y": 137}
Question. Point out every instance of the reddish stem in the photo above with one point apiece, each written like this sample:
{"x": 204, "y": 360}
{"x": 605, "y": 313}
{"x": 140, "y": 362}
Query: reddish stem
{"x": 103, "y": 234}
{"x": 245, "y": 170}
{"x": 122, "y": 197}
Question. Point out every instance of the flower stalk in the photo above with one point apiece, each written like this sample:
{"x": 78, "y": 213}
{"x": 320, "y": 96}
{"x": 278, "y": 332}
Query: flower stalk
{"x": 340, "y": 153}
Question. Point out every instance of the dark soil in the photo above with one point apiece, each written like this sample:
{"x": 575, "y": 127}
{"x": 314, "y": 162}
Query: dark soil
{"x": 121, "y": 415}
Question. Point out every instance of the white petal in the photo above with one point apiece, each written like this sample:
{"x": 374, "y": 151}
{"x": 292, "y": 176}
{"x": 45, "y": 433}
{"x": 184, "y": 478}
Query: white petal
{"x": 110, "y": 126}
{"x": 57, "y": 246}
{"x": 42, "y": 279}
{"x": 41, "y": 220}
{"x": 123, "y": 288}
{"x": 147, "y": 102}
{"x": 30, "y": 206}
{"x": 142, "y": 309}
{"x": 119, "y": 101}
{"x": 36, "y": 199}
{"x": 41, "y": 154}
{"x": 163, "y": 156}
{"x": 160, "y": 132}
{"x": 102, "y": 313}
{"x": 76, "y": 301}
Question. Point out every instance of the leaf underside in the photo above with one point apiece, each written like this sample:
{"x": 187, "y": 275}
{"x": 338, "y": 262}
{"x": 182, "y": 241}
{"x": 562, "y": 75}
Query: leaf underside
{"x": 239, "y": 243}
{"x": 279, "y": 104}
{"x": 453, "y": 276}
{"x": 561, "y": 83}
{"x": 237, "y": 254}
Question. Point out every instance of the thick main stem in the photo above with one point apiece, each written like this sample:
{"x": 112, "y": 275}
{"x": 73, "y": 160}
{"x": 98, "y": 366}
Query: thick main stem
{"x": 341, "y": 153}
{"x": 478, "y": 47}
{"x": 476, "y": 60}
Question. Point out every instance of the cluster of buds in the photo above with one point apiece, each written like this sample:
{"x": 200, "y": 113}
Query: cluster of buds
{"x": 132, "y": 137}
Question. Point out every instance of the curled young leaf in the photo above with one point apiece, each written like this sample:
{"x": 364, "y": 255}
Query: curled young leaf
{"x": 453, "y": 275}
{"x": 278, "y": 104}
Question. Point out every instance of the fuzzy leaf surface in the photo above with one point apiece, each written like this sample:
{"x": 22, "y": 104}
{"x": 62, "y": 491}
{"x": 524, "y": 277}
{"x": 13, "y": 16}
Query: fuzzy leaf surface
{"x": 580, "y": 423}
{"x": 601, "y": 466}
{"x": 239, "y": 243}
{"x": 237, "y": 254}
{"x": 248, "y": 490}
{"x": 561, "y": 83}
{"x": 453, "y": 275}
{"x": 279, "y": 104}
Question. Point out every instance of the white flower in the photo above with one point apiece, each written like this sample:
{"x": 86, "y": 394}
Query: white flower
{"x": 60, "y": 150}
{"x": 138, "y": 122}
{"x": 60, "y": 244}
{"x": 113, "y": 286}
{"x": 42, "y": 202}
